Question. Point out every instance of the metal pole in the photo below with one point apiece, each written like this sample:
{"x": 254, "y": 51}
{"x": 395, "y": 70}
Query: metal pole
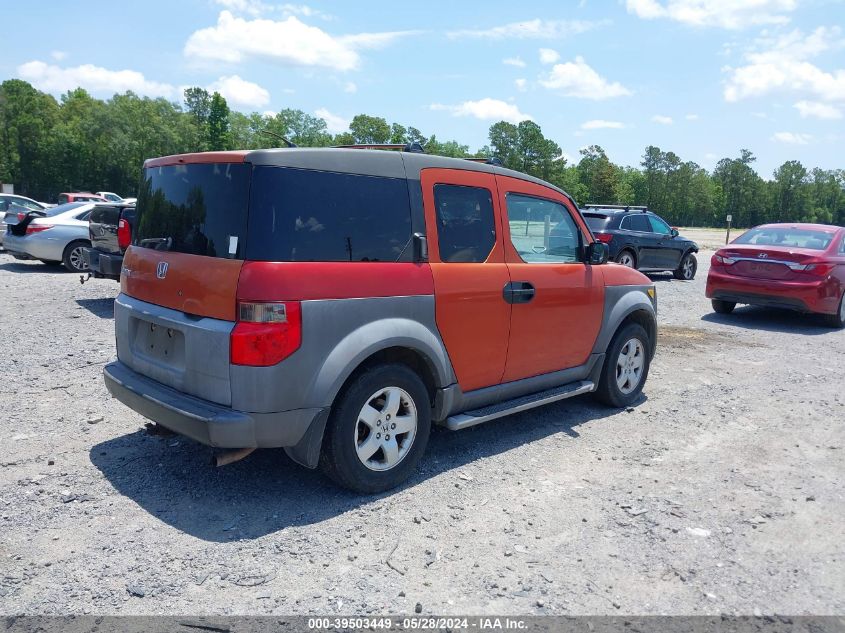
{"x": 547, "y": 223}
{"x": 728, "y": 236}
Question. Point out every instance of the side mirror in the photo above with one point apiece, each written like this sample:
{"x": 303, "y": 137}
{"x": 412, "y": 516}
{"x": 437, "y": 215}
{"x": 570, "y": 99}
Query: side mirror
{"x": 597, "y": 253}
{"x": 675, "y": 232}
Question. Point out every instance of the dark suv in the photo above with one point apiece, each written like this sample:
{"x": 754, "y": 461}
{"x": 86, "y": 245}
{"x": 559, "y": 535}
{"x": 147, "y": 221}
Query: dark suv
{"x": 640, "y": 239}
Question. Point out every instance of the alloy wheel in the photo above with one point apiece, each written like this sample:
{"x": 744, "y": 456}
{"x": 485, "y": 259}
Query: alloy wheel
{"x": 689, "y": 268}
{"x": 386, "y": 428}
{"x": 630, "y": 365}
{"x": 76, "y": 260}
{"x": 626, "y": 259}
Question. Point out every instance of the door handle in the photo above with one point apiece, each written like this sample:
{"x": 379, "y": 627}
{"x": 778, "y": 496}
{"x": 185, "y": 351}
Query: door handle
{"x": 518, "y": 292}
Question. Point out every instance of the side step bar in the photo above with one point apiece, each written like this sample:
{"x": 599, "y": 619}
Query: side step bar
{"x": 479, "y": 416}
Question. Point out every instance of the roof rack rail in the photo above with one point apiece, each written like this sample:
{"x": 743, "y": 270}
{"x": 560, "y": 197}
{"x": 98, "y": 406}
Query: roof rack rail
{"x": 493, "y": 160}
{"x": 415, "y": 148}
{"x": 624, "y": 207}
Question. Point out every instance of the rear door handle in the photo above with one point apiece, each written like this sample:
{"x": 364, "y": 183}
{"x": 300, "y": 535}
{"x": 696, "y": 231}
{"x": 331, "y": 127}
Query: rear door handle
{"x": 518, "y": 292}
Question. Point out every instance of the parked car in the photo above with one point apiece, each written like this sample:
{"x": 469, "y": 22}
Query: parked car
{"x": 640, "y": 239}
{"x": 110, "y": 232}
{"x": 336, "y": 302}
{"x": 11, "y": 203}
{"x": 80, "y": 196}
{"x": 113, "y": 197}
{"x": 53, "y": 235}
{"x": 794, "y": 266}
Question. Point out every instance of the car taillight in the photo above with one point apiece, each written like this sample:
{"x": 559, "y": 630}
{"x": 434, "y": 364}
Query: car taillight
{"x": 266, "y": 333}
{"x": 21, "y": 216}
{"x": 819, "y": 270}
{"x": 604, "y": 237}
{"x": 37, "y": 228}
{"x": 124, "y": 234}
{"x": 721, "y": 259}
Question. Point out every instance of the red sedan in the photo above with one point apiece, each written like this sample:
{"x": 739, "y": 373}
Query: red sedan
{"x": 795, "y": 266}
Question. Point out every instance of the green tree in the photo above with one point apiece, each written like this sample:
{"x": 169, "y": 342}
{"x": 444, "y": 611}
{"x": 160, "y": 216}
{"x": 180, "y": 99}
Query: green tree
{"x": 218, "y": 124}
{"x": 367, "y": 129}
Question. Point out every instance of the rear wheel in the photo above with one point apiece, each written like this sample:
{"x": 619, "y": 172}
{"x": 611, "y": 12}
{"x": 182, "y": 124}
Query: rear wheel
{"x": 627, "y": 258}
{"x": 72, "y": 257}
{"x": 687, "y": 268}
{"x": 378, "y": 430}
{"x": 722, "y": 307}
{"x": 837, "y": 320}
{"x": 625, "y": 367}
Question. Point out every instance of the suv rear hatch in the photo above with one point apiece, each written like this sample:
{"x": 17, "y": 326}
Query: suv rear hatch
{"x": 180, "y": 277}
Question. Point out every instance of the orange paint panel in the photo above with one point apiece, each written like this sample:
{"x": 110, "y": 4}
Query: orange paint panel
{"x": 204, "y": 286}
{"x": 472, "y": 315}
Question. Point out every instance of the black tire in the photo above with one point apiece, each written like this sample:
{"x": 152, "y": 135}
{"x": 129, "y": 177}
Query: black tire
{"x": 339, "y": 458}
{"x": 72, "y": 256}
{"x": 624, "y": 254}
{"x": 837, "y": 320}
{"x": 609, "y": 391}
{"x": 687, "y": 268}
{"x": 722, "y": 307}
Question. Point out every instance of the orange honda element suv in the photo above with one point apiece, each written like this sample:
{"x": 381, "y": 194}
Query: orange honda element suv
{"x": 338, "y": 302}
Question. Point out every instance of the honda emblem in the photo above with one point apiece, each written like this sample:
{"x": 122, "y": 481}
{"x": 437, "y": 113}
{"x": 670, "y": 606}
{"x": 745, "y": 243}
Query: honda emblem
{"x": 161, "y": 270}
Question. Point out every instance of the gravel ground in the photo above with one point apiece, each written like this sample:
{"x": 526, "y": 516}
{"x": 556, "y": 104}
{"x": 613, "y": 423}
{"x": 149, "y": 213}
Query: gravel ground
{"x": 721, "y": 492}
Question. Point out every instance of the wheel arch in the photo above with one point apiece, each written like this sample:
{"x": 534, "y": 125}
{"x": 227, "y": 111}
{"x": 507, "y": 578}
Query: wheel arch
{"x": 623, "y": 305}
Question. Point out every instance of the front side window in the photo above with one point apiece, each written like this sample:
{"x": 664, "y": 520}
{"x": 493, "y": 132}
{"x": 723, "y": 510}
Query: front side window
{"x": 659, "y": 226}
{"x": 466, "y": 230}
{"x": 304, "y": 215}
{"x": 542, "y": 231}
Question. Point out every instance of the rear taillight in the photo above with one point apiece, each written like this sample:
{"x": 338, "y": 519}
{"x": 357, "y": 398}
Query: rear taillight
{"x": 604, "y": 237}
{"x": 21, "y": 216}
{"x": 124, "y": 234}
{"x": 819, "y": 270}
{"x": 722, "y": 260}
{"x": 37, "y": 228}
{"x": 266, "y": 333}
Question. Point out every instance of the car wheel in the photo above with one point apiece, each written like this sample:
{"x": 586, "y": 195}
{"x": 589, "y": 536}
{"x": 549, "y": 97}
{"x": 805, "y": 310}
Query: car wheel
{"x": 687, "y": 268}
{"x": 72, "y": 257}
{"x": 378, "y": 430}
{"x": 625, "y": 367}
{"x": 837, "y": 320}
{"x": 627, "y": 258}
{"x": 722, "y": 307}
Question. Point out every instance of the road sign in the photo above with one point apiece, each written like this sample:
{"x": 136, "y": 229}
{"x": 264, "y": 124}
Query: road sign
{"x": 729, "y": 218}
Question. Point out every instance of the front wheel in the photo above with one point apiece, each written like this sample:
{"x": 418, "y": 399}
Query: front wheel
{"x": 687, "y": 268}
{"x": 837, "y": 320}
{"x": 722, "y": 307}
{"x": 72, "y": 257}
{"x": 378, "y": 430}
{"x": 625, "y": 367}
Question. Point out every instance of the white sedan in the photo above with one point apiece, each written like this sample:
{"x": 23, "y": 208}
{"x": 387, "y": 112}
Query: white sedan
{"x": 57, "y": 236}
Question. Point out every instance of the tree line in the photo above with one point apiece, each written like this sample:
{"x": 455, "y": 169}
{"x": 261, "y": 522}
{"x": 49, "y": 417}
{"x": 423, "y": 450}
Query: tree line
{"x": 81, "y": 143}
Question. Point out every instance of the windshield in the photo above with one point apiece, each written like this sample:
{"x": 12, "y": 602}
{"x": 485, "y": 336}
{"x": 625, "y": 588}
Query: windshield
{"x": 198, "y": 208}
{"x": 786, "y": 236}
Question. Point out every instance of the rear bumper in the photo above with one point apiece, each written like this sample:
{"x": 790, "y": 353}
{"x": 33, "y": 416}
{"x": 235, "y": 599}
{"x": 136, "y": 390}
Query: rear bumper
{"x": 803, "y": 296}
{"x": 204, "y": 421}
{"x": 103, "y": 264}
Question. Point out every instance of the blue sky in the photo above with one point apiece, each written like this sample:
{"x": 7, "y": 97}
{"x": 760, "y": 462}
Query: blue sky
{"x": 702, "y": 78}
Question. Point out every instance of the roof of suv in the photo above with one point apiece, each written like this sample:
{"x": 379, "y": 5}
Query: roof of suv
{"x": 365, "y": 162}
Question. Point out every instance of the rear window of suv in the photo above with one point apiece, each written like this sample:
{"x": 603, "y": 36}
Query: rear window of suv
{"x": 597, "y": 221}
{"x": 198, "y": 208}
{"x": 300, "y": 215}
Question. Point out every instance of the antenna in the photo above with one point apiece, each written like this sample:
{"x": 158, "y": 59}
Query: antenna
{"x": 279, "y": 137}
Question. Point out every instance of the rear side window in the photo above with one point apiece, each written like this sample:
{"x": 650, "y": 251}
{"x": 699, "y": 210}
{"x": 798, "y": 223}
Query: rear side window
{"x": 301, "y": 215}
{"x": 466, "y": 229}
{"x": 198, "y": 208}
{"x": 638, "y": 222}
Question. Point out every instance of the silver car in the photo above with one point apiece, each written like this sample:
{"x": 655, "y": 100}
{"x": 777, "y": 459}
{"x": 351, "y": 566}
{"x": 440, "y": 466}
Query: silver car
{"x": 58, "y": 236}
{"x": 11, "y": 203}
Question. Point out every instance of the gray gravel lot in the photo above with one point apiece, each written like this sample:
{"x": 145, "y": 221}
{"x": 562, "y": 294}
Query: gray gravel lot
{"x": 721, "y": 492}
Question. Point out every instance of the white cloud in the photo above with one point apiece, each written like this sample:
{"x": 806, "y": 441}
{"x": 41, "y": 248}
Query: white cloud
{"x": 514, "y": 61}
{"x": 95, "y": 79}
{"x": 727, "y": 14}
{"x": 599, "y": 124}
{"x": 662, "y": 120}
{"x": 521, "y": 84}
{"x": 548, "y": 56}
{"x": 818, "y": 110}
{"x": 289, "y": 41}
{"x": 350, "y": 87}
{"x": 485, "y": 109}
{"x": 781, "y": 64}
{"x": 334, "y": 123}
{"x": 692, "y": 117}
{"x": 577, "y": 79}
{"x": 58, "y": 55}
{"x": 792, "y": 138}
{"x": 239, "y": 92}
{"x": 528, "y": 29}
{"x": 257, "y": 8}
